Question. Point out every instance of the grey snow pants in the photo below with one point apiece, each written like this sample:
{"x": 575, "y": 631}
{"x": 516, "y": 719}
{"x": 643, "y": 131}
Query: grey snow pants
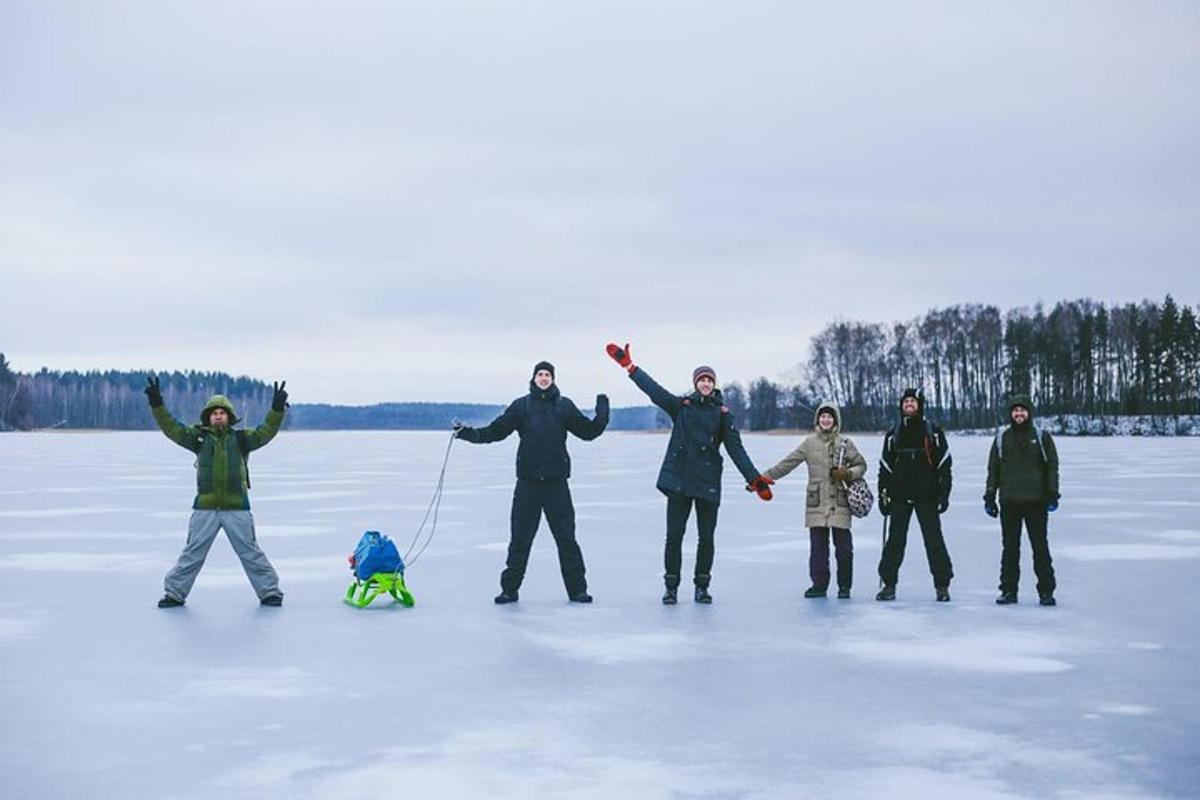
{"x": 202, "y": 529}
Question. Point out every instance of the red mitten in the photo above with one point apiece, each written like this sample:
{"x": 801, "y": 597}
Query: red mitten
{"x": 762, "y": 485}
{"x": 621, "y": 355}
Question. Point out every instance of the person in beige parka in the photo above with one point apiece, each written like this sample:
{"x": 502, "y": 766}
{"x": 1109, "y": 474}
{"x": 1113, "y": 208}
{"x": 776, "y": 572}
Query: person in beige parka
{"x": 833, "y": 461}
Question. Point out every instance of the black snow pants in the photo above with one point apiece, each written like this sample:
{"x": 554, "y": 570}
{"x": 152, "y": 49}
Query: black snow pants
{"x": 1034, "y": 516}
{"x": 530, "y": 500}
{"x": 679, "y": 508}
{"x": 818, "y": 557}
{"x": 931, "y": 532}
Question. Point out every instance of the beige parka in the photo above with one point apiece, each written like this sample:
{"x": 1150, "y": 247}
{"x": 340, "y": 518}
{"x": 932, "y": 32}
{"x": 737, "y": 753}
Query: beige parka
{"x": 827, "y": 505}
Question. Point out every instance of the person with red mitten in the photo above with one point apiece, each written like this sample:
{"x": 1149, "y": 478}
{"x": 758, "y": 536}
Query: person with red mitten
{"x": 691, "y": 468}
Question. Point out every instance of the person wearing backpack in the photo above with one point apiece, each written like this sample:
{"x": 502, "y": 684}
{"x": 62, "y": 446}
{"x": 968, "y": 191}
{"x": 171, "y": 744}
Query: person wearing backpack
{"x": 691, "y": 469}
{"x": 222, "y": 490}
{"x": 914, "y": 478}
{"x": 833, "y": 461}
{"x": 1023, "y": 469}
{"x": 542, "y": 419}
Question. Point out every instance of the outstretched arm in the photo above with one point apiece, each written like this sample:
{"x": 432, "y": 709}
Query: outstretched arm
{"x": 499, "y": 428}
{"x": 732, "y": 440}
{"x": 789, "y": 463}
{"x": 584, "y": 428}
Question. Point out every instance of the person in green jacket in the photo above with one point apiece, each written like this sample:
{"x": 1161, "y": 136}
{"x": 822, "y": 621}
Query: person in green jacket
{"x": 1023, "y": 469}
{"x": 222, "y": 491}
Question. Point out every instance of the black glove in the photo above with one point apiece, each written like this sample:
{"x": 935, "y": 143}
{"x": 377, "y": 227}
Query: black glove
{"x": 990, "y": 507}
{"x": 885, "y": 504}
{"x": 462, "y": 431}
{"x": 279, "y": 399}
{"x": 153, "y": 392}
{"x": 943, "y": 504}
{"x": 602, "y": 404}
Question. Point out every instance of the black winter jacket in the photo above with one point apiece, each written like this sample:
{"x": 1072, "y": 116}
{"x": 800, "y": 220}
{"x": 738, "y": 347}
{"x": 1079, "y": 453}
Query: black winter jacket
{"x": 692, "y": 465}
{"x": 916, "y": 462}
{"x": 542, "y": 419}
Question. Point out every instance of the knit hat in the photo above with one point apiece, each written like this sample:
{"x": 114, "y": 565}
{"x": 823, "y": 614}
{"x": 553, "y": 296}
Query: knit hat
{"x": 543, "y": 365}
{"x": 701, "y": 371}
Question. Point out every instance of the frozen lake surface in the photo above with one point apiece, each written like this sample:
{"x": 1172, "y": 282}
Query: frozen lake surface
{"x": 762, "y": 695}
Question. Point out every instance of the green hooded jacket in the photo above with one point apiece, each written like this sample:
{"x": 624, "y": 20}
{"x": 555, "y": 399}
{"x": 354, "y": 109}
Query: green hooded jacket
{"x": 1020, "y": 468}
{"x": 222, "y": 475}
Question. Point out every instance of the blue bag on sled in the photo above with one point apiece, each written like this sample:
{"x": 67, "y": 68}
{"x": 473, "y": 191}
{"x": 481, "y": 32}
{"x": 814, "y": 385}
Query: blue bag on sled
{"x": 376, "y": 553}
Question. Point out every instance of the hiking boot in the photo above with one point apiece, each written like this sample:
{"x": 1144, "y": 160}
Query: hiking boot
{"x": 581, "y": 597}
{"x": 943, "y": 593}
{"x": 670, "y": 596}
{"x": 888, "y": 592}
{"x": 169, "y": 602}
{"x": 814, "y": 591}
{"x": 505, "y": 597}
{"x": 272, "y": 600}
{"x": 1047, "y": 600}
{"x": 843, "y": 594}
{"x": 702, "y": 595}
{"x": 1006, "y": 599}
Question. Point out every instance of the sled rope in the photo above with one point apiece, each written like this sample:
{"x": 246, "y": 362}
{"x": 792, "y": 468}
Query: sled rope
{"x": 435, "y": 505}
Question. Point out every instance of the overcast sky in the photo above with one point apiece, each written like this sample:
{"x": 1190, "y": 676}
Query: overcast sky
{"x": 385, "y": 201}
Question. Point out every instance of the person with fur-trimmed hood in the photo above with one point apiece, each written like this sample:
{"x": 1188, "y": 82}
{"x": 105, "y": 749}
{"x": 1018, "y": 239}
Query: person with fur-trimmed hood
{"x": 691, "y": 469}
{"x": 1023, "y": 469}
{"x": 542, "y": 418}
{"x": 914, "y": 478}
{"x": 833, "y": 461}
{"x": 222, "y": 490}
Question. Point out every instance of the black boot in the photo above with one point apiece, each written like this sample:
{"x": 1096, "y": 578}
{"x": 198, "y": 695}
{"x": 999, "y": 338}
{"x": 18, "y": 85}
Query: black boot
{"x": 581, "y": 597}
{"x": 702, "y": 595}
{"x": 943, "y": 593}
{"x": 505, "y": 597}
{"x": 1006, "y": 599}
{"x": 844, "y": 594}
{"x": 888, "y": 592}
{"x": 1047, "y": 600}
{"x": 670, "y": 597}
{"x": 169, "y": 602}
{"x": 814, "y": 591}
{"x": 273, "y": 600}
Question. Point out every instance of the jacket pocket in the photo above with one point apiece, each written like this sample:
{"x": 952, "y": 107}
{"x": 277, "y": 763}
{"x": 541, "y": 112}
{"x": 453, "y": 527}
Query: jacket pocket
{"x": 814, "y": 496}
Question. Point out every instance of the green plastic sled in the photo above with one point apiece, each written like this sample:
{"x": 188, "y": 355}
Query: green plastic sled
{"x": 361, "y": 593}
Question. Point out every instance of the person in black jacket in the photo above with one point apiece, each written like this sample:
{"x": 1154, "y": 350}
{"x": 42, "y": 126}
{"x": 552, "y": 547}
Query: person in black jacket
{"x": 914, "y": 477}
{"x": 1023, "y": 467}
{"x": 542, "y": 419}
{"x": 691, "y": 469}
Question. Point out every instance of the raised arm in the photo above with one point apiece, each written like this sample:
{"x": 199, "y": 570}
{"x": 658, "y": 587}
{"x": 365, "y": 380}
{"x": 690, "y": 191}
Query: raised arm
{"x": 186, "y": 436}
{"x": 668, "y": 402}
{"x": 496, "y": 430}
{"x": 581, "y": 426}
{"x": 266, "y": 432}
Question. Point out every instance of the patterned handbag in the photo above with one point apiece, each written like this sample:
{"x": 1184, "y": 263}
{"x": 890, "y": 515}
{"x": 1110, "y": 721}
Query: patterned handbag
{"x": 858, "y": 493}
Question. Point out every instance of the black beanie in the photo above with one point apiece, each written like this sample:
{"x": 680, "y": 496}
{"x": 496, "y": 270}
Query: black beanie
{"x": 543, "y": 365}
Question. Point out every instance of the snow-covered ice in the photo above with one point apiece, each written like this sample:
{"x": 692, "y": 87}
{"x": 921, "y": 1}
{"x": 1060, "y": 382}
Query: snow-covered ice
{"x": 762, "y": 695}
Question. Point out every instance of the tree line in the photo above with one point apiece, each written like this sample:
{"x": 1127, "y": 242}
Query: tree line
{"x": 1080, "y": 357}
